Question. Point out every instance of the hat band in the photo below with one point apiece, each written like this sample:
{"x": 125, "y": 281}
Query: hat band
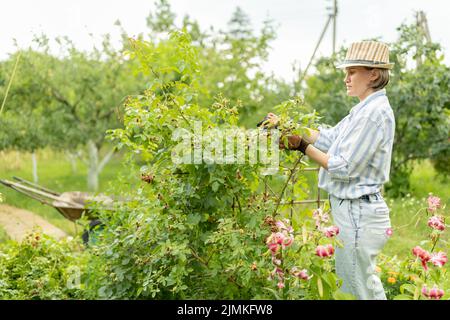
{"x": 364, "y": 61}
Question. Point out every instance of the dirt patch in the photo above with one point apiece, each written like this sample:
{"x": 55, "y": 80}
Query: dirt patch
{"x": 18, "y": 222}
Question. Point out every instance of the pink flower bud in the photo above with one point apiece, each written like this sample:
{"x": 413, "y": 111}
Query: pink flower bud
{"x": 302, "y": 274}
{"x": 276, "y": 261}
{"x": 330, "y": 249}
{"x": 435, "y": 293}
{"x": 330, "y": 232}
{"x": 280, "y": 285}
{"x": 321, "y": 251}
{"x": 425, "y": 291}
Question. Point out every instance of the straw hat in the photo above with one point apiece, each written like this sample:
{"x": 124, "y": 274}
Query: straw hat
{"x": 367, "y": 54}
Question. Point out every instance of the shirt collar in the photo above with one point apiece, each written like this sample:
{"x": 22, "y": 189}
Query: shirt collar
{"x": 369, "y": 98}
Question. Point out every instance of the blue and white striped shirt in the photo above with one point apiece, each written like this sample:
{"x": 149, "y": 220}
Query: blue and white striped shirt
{"x": 360, "y": 149}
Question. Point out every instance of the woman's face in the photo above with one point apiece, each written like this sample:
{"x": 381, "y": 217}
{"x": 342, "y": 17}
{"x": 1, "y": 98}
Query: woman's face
{"x": 357, "y": 80}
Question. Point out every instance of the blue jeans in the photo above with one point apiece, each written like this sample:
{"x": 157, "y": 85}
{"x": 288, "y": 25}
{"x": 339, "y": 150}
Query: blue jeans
{"x": 363, "y": 226}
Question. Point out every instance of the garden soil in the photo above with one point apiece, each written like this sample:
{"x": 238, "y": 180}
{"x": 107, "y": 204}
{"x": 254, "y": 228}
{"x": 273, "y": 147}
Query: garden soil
{"x": 18, "y": 222}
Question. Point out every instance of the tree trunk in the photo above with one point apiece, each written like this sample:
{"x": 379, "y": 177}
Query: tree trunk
{"x": 94, "y": 166}
{"x": 73, "y": 161}
{"x": 34, "y": 161}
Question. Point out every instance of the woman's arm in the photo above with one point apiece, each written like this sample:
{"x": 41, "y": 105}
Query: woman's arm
{"x": 311, "y": 136}
{"x": 317, "y": 156}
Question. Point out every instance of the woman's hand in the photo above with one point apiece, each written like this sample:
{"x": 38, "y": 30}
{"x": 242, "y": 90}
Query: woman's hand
{"x": 293, "y": 142}
{"x": 272, "y": 120}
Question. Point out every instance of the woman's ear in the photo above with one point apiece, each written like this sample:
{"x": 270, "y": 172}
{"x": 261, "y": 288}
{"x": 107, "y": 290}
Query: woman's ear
{"x": 374, "y": 75}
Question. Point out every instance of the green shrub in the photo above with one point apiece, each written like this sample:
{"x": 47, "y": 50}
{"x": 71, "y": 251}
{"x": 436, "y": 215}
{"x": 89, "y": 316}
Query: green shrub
{"x": 41, "y": 268}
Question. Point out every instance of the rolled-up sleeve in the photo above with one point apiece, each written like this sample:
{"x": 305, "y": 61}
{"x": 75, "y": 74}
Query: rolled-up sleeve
{"x": 356, "y": 151}
{"x": 327, "y": 136}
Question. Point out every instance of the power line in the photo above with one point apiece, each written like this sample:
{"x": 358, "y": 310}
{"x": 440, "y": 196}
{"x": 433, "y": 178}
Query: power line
{"x": 332, "y": 16}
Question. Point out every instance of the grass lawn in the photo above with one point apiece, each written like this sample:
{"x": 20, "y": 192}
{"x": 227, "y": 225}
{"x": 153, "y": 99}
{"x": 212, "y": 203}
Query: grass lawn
{"x": 404, "y": 212}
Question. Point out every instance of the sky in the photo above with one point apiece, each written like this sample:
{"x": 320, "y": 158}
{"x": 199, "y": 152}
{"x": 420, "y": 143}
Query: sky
{"x": 299, "y": 22}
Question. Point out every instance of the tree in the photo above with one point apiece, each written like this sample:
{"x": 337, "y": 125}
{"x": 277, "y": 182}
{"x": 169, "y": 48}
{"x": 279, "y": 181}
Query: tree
{"x": 19, "y": 129}
{"x": 230, "y": 61}
{"x": 74, "y": 97}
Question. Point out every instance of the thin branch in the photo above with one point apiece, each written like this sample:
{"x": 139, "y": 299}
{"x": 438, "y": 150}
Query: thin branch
{"x": 198, "y": 257}
{"x": 10, "y": 81}
{"x": 287, "y": 183}
{"x": 105, "y": 160}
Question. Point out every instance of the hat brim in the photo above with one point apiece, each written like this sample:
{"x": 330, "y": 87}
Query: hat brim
{"x": 370, "y": 65}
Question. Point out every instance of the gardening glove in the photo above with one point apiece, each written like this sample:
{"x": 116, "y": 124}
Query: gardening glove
{"x": 293, "y": 142}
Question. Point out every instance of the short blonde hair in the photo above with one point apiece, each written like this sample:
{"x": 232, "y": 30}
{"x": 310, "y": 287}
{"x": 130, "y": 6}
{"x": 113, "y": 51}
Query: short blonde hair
{"x": 381, "y": 81}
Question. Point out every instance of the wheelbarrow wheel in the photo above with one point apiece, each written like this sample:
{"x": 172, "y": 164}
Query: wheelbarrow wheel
{"x": 89, "y": 235}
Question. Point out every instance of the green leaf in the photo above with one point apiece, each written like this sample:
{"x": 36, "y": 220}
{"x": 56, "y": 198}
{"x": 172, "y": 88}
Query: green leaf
{"x": 320, "y": 286}
{"x": 215, "y": 186}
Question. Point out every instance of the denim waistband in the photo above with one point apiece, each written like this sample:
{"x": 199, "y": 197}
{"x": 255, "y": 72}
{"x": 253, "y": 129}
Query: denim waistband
{"x": 365, "y": 197}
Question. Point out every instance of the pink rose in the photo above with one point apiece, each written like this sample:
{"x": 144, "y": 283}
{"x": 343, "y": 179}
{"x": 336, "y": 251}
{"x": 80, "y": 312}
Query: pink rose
{"x": 438, "y": 259}
{"x": 433, "y": 203}
{"x": 436, "y": 222}
{"x": 331, "y": 231}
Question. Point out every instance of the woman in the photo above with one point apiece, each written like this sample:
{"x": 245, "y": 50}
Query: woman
{"x": 355, "y": 158}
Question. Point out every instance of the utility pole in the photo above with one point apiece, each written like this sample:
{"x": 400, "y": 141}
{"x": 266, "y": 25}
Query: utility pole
{"x": 334, "y": 25}
{"x": 422, "y": 26}
{"x": 332, "y": 15}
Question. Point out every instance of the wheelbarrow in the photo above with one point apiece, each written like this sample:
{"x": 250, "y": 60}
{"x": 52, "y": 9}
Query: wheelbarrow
{"x": 71, "y": 204}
